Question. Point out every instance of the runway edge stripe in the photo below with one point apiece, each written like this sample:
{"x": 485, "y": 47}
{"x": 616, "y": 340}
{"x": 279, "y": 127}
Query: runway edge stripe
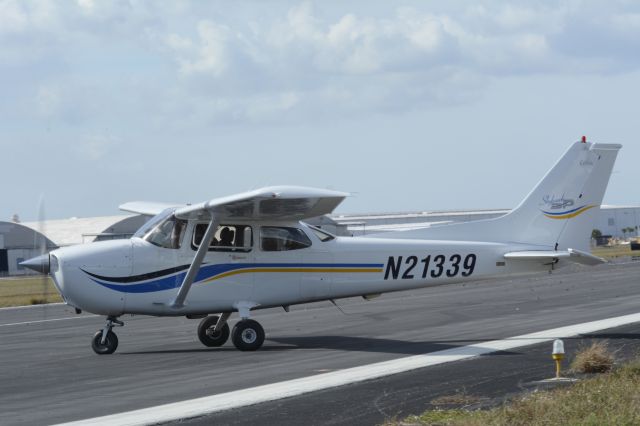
{"x": 271, "y": 392}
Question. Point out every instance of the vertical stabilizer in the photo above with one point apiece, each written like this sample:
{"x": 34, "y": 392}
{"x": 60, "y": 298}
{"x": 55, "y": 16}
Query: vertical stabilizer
{"x": 559, "y": 213}
{"x": 561, "y": 209}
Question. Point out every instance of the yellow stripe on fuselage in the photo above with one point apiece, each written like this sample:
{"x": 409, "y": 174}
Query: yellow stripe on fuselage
{"x": 570, "y": 215}
{"x": 299, "y": 270}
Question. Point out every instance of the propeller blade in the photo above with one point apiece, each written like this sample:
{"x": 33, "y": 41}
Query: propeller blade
{"x": 44, "y": 255}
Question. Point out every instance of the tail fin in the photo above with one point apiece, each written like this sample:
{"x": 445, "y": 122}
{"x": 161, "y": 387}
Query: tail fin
{"x": 561, "y": 209}
{"x": 558, "y": 214}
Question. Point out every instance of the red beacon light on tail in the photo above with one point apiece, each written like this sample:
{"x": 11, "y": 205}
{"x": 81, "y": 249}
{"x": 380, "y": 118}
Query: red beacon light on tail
{"x": 584, "y": 139}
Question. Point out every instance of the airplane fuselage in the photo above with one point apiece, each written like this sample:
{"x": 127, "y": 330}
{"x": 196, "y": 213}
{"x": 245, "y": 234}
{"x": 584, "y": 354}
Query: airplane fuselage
{"x": 137, "y": 277}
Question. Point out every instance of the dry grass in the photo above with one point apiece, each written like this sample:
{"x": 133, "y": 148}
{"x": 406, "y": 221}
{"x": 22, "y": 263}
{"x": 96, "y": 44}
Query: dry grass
{"x": 596, "y": 358}
{"x": 27, "y": 291}
{"x": 614, "y": 251}
{"x": 458, "y": 399}
{"x": 607, "y": 399}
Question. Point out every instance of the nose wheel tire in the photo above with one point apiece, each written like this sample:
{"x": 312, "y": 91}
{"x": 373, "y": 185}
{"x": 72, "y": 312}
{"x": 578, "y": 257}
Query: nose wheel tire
{"x": 108, "y": 347}
{"x": 247, "y": 335}
{"x": 210, "y": 338}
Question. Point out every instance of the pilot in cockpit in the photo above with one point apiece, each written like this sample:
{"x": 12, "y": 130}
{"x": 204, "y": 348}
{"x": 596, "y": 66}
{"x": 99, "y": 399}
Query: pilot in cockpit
{"x": 226, "y": 237}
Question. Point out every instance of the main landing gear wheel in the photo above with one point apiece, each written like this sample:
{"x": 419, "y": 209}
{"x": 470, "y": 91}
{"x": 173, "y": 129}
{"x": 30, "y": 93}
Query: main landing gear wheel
{"x": 107, "y": 347}
{"x": 208, "y": 336}
{"x": 247, "y": 335}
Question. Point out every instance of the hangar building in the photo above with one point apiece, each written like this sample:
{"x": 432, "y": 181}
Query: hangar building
{"x": 21, "y": 241}
{"x": 615, "y": 221}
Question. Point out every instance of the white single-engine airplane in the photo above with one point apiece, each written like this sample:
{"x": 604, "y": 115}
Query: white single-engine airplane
{"x": 252, "y": 251}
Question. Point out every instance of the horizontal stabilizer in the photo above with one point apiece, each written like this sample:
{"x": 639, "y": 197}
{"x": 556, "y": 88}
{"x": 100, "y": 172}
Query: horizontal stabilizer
{"x": 570, "y": 255}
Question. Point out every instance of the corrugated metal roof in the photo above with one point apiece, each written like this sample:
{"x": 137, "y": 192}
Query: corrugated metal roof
{"x": 66, "y": 232}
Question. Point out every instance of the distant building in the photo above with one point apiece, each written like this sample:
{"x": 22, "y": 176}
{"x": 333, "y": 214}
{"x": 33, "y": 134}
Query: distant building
{"x": 21, "y": 241}
{"x": 611, "y": 220}
{"x": 18, "y": 243}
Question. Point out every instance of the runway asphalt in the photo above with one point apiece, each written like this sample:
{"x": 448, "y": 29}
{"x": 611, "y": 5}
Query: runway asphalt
{"x": 483, "y": 382}
{"x": 50, "y": 374}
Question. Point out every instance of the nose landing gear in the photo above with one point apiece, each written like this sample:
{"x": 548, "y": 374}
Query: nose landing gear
{"x": 105, "y": 341}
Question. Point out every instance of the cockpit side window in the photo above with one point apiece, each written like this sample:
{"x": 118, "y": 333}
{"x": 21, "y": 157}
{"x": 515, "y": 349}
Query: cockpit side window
{"x": 226, "y": 238}
{"x": 323, "y": 236}
{"x": 280, "y": 238}
{"x": 168, "y": 233}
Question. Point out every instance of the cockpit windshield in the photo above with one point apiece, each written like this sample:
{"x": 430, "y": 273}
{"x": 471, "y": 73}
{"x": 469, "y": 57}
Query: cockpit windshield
{"x": 164, "y": 230}
{"x": 151, "y": 223}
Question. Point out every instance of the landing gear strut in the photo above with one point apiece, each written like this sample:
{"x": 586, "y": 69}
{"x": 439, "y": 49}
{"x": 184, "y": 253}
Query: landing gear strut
{"x": 105, "y": 341}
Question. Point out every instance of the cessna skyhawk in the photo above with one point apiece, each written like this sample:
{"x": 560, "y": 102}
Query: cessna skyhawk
{"x": 253, "y": 251}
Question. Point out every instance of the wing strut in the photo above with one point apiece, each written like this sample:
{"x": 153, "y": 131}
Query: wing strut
{"x": 178, "y": 302}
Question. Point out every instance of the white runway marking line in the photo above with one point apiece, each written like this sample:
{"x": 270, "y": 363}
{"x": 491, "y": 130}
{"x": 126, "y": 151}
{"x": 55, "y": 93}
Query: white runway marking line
{"x": 44, "y": 305}
{"x": 245, "y": 397}
{"x": 46, "y": 320}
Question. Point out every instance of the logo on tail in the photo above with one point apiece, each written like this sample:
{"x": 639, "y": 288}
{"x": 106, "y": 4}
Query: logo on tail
{"x": 567, "y": 214}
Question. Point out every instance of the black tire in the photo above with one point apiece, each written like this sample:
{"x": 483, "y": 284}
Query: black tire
{"x": 248, "y": 335}
{"x": 206, "y": 335}
{"x": 108, "y": 347}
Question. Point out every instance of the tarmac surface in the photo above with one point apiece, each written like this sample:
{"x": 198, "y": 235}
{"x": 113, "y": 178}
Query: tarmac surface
{"x": 483, "y": 382}
{"x": 50, "y": 374}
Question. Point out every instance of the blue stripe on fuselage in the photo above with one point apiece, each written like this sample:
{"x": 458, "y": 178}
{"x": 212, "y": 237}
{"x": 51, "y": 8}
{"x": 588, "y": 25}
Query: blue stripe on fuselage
{"x": 208, "y": 271}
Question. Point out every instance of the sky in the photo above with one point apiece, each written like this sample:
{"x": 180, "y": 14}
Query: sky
{"x": 408, "y": 105}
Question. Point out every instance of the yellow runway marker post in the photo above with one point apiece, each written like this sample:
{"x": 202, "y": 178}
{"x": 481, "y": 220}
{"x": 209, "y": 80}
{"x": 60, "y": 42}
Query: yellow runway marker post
{"x": 558, "y": 355}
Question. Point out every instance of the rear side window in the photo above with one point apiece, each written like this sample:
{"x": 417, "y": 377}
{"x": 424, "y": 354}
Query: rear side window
{"x": 322, "y": 235}
{"x": 280, "y": 238}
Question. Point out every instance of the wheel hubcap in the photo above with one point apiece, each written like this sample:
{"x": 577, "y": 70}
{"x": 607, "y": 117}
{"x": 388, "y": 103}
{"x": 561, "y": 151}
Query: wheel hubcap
{"x": 249, "y": 336}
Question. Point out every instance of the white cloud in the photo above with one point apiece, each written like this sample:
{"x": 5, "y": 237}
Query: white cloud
{"x": 210, "y": 55}
{"x": 295, "y": 62}
{"x": 96, "y": 147}
{"x": 13, "y": 17}
{"x": 47, "y": 101}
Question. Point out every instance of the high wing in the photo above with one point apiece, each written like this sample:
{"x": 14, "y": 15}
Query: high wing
{"x": 270, "y": 203}
{"x": 148, "y": 208}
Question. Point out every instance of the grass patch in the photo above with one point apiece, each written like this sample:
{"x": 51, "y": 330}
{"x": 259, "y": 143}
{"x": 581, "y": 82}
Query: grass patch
{"x": 27, "y": 291}
{"x": 614, "y": 251}
{"x": 458, "y": 399}
{"x": 441, "y": 418}
{"x": 606, "y": 399}
{"x": 596, "y": 358}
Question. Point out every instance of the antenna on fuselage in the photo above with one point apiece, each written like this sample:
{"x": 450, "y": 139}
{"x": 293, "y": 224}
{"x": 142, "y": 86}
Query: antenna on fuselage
{"x": 339, "y": 308}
